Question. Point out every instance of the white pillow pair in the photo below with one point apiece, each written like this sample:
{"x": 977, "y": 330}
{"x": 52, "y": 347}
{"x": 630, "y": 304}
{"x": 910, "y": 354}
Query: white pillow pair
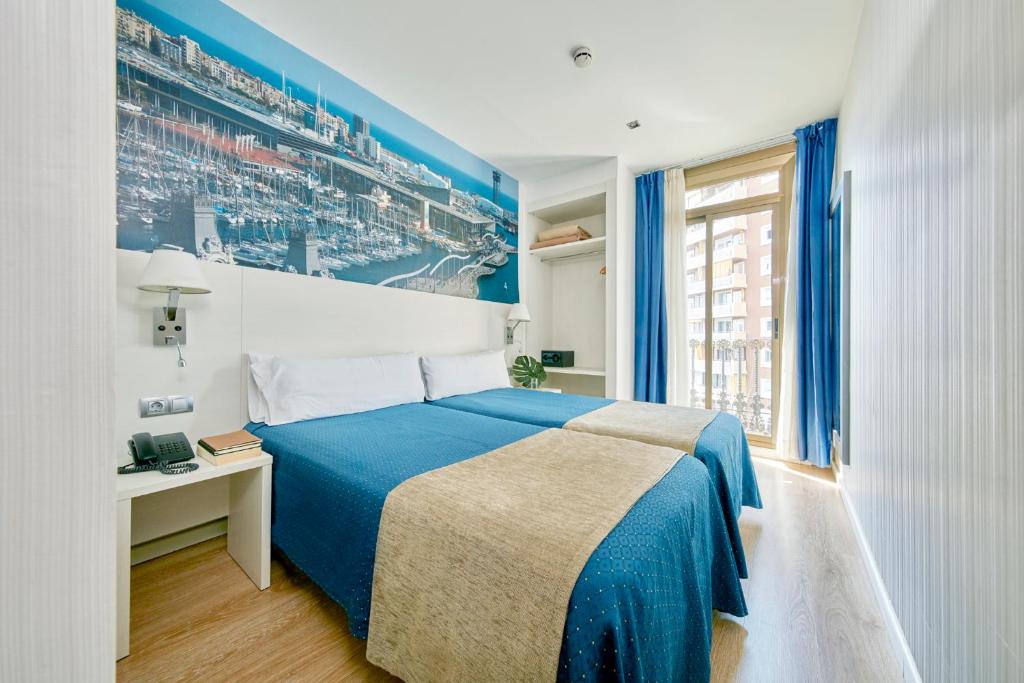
{"x": 284, "y": 390}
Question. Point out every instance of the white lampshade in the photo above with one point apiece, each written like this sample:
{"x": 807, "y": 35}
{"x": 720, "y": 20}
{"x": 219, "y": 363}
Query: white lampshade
{"x": 172, "y": 269}
{"x": 519, "y": 312}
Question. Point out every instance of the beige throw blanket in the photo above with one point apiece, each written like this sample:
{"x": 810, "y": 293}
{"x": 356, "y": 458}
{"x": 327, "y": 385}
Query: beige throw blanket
{"x": 476, "y": 561}
{"x": 652, "y": 423}
{"x": 564, "y": 230}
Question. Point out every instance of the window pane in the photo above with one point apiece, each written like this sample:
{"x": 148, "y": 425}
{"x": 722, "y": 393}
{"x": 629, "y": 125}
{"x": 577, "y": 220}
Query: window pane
{"x": 765, "y": 183}
{"x": 696, "y": 286}
{"x": 742, "y": 318}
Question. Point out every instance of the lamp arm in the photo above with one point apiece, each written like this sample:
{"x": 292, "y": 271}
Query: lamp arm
{"x": 173, "y": 295}
{"x": 510, "y": 331}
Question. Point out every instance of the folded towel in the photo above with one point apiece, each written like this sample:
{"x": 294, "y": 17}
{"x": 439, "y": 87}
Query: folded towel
{"x": 559, "y": 240}
{"x": 562, "y": 231}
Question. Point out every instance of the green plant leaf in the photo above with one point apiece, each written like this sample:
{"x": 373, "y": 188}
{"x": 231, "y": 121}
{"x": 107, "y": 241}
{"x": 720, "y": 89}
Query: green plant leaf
{"x": 528, "y": 371}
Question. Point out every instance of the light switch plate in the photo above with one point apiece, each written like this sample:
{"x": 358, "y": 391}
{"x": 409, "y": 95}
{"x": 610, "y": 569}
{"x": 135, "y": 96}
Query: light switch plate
{"x": 180, "y": 404}
{"x": 154, "y": 406}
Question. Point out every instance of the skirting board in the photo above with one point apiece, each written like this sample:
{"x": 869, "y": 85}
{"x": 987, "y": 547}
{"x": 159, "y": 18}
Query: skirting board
{"x": 892, "y": 622}
{"x": 178, "y": 540}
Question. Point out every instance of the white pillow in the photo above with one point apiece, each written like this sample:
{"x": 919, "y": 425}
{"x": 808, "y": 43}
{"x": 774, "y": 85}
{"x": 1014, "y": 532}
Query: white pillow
{"x": 302, "y": 389}
{"x": 464, "y": 373}
{"x": 258, "y": 410}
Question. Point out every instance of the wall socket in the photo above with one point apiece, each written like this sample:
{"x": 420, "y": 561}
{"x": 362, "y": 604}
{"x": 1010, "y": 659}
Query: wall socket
{"x": 155, "y": 406}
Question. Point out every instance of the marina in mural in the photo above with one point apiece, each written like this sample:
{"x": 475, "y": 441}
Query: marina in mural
{"x": 235, "y": 169}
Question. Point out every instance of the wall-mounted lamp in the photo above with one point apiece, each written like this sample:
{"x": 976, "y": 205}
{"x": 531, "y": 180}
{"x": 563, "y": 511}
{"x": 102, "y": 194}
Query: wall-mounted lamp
{"x": 172, "y": 272}
{"x": 517, "y": 314}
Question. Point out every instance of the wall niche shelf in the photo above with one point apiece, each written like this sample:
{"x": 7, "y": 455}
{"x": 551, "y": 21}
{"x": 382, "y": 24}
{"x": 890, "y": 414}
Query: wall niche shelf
{"x": 568, "y": 290}
{"x": 594, "y": 245}
{"x": 589, "y": 372}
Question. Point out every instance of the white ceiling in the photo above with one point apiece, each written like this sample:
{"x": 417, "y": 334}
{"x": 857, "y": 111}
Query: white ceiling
{"x": 702, "y": 76}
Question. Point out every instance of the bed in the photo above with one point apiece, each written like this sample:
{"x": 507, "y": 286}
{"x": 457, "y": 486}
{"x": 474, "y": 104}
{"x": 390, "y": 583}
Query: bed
{"x": 722, "y": 445}
{"x": 641, "y": 607}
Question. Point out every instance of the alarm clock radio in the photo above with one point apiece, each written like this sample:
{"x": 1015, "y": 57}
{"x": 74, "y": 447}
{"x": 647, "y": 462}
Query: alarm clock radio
{"x": 557, "y": 359}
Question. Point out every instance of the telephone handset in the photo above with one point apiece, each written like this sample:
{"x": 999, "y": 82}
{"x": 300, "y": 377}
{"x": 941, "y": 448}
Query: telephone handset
{"x": 167, "y": 453}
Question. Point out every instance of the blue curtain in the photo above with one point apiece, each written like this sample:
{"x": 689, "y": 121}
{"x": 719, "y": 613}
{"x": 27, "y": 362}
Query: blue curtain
{"x": 815, "y": 356}
{"x": 651, "y": 339}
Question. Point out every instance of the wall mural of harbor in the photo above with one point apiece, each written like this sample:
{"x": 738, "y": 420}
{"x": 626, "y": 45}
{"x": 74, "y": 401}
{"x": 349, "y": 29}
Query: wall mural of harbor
{"x": 236, "y": 146}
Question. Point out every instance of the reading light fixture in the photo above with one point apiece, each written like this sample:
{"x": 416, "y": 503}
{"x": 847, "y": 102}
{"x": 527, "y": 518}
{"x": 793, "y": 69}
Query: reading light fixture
{"x": 519, "y": 313}
{"x": 173, "y": 272}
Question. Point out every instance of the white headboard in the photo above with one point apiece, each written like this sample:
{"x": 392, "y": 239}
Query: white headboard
{"x": 279, "y": 313}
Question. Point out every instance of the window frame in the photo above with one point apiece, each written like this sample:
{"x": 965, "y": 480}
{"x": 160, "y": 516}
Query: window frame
{"x": 783, "y": 159}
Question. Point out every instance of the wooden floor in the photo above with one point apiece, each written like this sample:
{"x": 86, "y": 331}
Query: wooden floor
{"x": 813, "y": 616}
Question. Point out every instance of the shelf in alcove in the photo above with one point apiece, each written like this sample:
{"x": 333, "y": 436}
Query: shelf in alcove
{"x": 593, "y": 245}
{"x": 590, "y": 372}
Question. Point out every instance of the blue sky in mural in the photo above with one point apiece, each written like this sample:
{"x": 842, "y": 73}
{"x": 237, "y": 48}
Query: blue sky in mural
{"x": 237, "y": 39}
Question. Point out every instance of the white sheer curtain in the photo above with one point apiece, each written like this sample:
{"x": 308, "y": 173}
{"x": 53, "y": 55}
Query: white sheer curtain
{"x": 677, "y": 390}
{"x": 785, "y": 438}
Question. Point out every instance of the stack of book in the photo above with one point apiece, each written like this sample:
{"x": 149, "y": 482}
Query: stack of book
{"x": 232, "y": 447}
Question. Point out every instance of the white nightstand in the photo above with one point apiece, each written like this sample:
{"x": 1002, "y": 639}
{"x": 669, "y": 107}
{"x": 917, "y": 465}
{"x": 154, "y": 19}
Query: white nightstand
{"x": 248, "y": 522}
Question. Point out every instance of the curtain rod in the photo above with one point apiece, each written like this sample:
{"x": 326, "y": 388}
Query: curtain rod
{"x": 735, "y": 152}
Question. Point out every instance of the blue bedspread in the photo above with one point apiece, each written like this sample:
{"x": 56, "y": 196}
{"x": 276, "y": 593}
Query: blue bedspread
{"x": 722, "y": 446}
{"x": 641, "y": 608}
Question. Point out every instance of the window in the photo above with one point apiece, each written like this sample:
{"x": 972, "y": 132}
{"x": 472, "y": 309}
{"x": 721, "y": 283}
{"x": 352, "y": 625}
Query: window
{"x": 732, "y": 206}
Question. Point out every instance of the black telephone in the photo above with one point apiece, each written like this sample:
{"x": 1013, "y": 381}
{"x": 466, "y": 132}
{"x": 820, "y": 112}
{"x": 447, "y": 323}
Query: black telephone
{"x": 167, "y": 453}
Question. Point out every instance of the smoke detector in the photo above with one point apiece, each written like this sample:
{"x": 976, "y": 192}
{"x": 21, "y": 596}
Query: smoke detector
{"x": 582, "y": 57}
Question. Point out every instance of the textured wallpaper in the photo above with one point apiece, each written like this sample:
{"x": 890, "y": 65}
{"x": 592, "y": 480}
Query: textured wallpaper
{"x": 932, "y": 127}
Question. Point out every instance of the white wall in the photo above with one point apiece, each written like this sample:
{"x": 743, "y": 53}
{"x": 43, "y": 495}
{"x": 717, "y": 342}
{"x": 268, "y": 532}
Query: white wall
{"x": 56, "y": 338}
{"x": 932, "y": 128}
{"x": 257, "y": 310}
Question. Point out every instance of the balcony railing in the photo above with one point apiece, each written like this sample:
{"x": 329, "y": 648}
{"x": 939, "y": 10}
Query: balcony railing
{"x": 733, "y": 281}
{"x": 721, "y": 227}
{"x": 733, "y": 252}
{"x": 745, "y": 393}
{"x": 734, "y": 309}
